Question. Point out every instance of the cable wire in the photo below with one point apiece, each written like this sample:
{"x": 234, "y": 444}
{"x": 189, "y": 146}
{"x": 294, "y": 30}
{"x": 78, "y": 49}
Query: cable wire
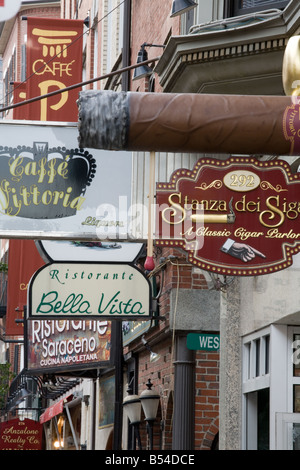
{"x": 77, "y": 85}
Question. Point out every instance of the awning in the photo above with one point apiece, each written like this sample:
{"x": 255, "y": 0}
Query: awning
{"x": 57, "y": 408}
{"x": 54, "y": 410}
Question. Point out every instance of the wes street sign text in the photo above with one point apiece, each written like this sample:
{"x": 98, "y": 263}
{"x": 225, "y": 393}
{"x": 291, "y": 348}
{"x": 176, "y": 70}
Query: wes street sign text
{"x": 203, "y": 342}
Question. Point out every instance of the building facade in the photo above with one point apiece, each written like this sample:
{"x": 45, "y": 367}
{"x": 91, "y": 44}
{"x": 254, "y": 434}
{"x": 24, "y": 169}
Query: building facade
{"x": 229, "y": 48}
{"x": 244, "y": 395}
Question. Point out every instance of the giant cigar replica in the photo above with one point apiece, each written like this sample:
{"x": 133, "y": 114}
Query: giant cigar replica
{"x": 237, "y": 216}
{"x": 196, "y": 123}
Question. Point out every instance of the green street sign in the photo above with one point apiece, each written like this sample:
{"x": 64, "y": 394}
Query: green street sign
{"x": 203, "y": 342}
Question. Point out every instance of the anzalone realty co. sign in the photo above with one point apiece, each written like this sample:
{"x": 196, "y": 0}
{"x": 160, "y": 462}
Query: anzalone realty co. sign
{"x": 237, "y": 217}
{"x": 89, "y": 290}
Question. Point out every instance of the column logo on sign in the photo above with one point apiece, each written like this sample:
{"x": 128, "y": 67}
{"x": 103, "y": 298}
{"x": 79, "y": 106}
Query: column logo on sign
{"x": 54, "y": 62}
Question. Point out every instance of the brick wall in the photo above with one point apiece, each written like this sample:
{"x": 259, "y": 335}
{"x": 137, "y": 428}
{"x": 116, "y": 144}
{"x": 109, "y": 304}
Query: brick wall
{"x": 17, "y": 38}
{"x": 151, "y": 24}
{"x": 161, "y": 375}
{"x": 206, "y": 399}
{"x": 179, "y": 273}
{"x": 206, "y": 394}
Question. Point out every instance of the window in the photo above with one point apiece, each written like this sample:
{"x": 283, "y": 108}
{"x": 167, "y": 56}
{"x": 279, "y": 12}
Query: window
{"x": 256, "y": 385}
{"x": 9, "y": 78}
{"x": 242, "y": 7}
{"x": 288, "y": 420}
{"x": 256, "y": 357}
{"x": 189, "y": 19}
{"x": 23, "y": 62}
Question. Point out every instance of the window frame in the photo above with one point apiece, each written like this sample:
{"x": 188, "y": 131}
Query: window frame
{"x": 231, "y": 7}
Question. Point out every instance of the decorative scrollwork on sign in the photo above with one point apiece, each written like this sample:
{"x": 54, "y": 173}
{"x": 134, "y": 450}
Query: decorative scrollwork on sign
{"x": 266, "y": 185}
{"x": 214, "y": 184}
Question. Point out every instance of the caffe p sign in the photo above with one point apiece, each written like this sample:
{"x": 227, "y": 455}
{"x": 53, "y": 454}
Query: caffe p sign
{"x": 239, "y": 217}
{"x": 89, "y": 290}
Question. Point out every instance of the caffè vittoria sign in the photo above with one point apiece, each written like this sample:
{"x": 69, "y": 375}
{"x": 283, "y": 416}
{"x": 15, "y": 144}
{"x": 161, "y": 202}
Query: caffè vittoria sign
{"x": 89, "y": 290}
{"x": 51, "y": 189}
{"x": 237, "y": 217}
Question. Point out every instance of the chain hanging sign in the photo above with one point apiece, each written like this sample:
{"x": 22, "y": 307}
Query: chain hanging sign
{"x": 89, "y": 290}
{"x": 236, "y": 217}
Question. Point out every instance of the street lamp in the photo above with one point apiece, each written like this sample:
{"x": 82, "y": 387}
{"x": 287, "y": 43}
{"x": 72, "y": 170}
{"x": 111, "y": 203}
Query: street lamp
{"x": 132, "y": 405}
{"x": 153, "y": 356}
{"x": 143, "y": 70}
{"x": 181, "y": 6}
{"x": 150, "y": 400}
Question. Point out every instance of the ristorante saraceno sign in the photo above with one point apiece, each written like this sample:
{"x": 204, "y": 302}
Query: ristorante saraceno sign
{"x": 89, "y": 290}
{"x": 237, "y": 217}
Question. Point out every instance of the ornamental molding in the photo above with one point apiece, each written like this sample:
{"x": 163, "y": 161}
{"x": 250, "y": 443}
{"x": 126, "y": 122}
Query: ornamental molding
{"x": 180, "y": 68}
{"x": 220, "y": 53}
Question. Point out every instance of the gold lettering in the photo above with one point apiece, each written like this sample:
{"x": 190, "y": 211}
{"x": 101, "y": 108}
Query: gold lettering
{"x": 247, "y": 206}
{"x": 14, "y": 167}
{"x": 175, "y": 209}
{"x": 271, "y": 213}
{"x": 274, "y": 233}
{"x": 243, "y": 234}
{"x": 40, "y": 67}
{"x": 44, "y": 87}
{"x": 62, "y": 169}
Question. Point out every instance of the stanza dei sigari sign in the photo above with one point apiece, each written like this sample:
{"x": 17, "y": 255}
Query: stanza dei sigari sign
{"x": 89, "y": 290}
{"x": 237, "y": 217}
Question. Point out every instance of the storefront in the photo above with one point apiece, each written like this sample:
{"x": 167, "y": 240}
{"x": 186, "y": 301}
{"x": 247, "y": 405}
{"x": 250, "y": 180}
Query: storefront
{"x": 62, "y": 424}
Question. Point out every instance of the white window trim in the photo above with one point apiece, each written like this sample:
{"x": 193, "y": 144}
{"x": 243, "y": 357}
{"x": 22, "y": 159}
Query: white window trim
{"x": 251, "y": 382}
{"x": 277, "y": 380}
{"x": 291, "y": 379}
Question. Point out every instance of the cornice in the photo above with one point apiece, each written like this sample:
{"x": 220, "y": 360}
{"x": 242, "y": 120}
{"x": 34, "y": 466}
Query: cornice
{"x": 238, "y": 43}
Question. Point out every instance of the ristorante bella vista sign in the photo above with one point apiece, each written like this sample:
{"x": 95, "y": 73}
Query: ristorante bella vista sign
{"x": 89, "y": 290}
{"x": 237, "y": 217}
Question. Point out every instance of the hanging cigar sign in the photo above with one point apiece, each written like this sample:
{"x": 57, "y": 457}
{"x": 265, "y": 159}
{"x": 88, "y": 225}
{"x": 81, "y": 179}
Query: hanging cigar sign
{"x": 237, "y": 217}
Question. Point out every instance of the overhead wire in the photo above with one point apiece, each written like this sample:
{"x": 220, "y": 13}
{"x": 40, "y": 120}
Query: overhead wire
{"x": 77, "y": 85}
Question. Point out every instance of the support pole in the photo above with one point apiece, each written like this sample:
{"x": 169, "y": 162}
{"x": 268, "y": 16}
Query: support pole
{"x": 149, "y": 263}
{"x": 230, "y": 370}
{"x": 118, "y": 417}
{"x": 184, "y": 391}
